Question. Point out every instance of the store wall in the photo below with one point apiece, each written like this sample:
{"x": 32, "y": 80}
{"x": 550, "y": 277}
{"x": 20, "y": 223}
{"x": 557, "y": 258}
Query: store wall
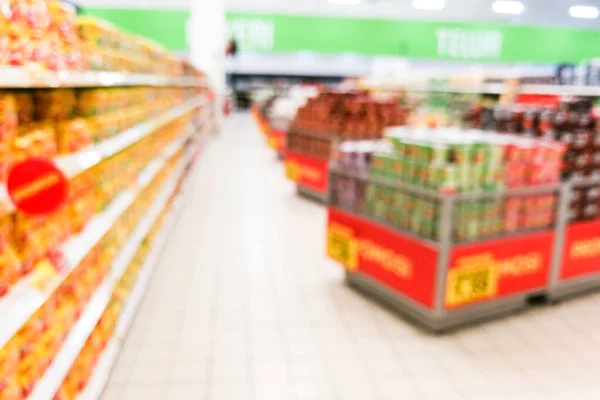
{"x": 162, "y": 21}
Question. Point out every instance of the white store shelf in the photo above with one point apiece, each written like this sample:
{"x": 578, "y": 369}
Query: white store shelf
{"x": 424, "y": 84}
{"x": 21, "y": 77}
{"x": 73, "y": 164}
{"x": 24, "y": 298}
{"x": 58, "y": 370}
{"x": 76, "y": 163}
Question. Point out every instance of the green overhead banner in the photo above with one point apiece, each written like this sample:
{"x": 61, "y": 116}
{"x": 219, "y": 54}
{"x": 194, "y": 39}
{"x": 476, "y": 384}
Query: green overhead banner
{"x": 167, "y": 27}
{"x": 266, "y": 33}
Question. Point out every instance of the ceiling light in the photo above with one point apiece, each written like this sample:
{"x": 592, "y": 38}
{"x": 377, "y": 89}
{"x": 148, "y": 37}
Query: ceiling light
{"x": 428, "y": 4}
{"x": 583, "y": 12}
{"x": 350, "y": 2}
{"x": 508, "y": 7}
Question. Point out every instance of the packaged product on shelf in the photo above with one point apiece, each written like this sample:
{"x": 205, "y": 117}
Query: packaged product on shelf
{"x": 74, "y": 135}
{"x": 34, "y": 140}
{"x": 55, "y": 104}
{"x": 25, "y": 106}
{"x": 10, "y": 267}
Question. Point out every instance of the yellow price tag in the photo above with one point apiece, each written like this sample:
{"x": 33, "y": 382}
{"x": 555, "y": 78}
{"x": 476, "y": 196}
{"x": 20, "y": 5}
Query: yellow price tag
{"x": 476, "y": 279}
{"x": 43, "y": 274}
{"x": 292, "y": 170}
{"x": 342, "y": 246}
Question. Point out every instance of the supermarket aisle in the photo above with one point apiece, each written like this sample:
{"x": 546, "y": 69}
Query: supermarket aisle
{"x": 244, "y": 305}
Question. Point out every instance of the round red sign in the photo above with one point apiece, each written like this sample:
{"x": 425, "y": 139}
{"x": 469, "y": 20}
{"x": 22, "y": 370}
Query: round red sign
{"x": 37, "y": 187}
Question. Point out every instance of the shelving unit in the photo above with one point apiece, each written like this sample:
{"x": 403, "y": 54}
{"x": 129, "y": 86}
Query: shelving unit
{"x": 79, "y": 334}
{"x": 28, "y": 295}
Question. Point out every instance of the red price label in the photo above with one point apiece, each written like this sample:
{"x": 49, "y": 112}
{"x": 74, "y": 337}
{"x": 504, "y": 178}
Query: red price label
{"x": 37, "y": 187}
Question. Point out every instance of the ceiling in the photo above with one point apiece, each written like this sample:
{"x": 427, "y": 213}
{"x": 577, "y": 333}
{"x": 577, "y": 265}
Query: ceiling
{"x": 537, "y": 12}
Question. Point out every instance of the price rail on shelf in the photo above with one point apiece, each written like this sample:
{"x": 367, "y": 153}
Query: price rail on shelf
{"x": 21, "y": 77}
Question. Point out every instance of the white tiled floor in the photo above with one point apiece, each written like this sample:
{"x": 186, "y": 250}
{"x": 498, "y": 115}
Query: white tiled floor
{"x": 244, "y": 305}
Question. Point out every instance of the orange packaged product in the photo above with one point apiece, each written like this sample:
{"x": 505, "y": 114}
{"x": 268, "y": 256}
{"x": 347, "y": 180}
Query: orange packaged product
{"x": 66, "y": 391}
{"x": 9, "y": 359}
{"x": 24, "y": 106}
{"x": 55, "y": 104}
{"x": 7, "y": 227}
{"x": 63, "y": 19}
{"x": 74, "y": 135}
{"x": 32, "y": 251}
{"x": 10, "y": 267}
{"x": 37, "y": 16}
{"x": 4, "y": 45}
{"x": 34, "y": 140}
{"x": 15, "y": 11}
{"x": 10, "y": 388}
{"x": 6, "y": 160}
{"x": 8, "y": 119}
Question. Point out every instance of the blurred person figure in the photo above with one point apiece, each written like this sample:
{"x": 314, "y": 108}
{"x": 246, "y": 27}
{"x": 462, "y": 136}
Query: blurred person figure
{"x": 230, "y": 51}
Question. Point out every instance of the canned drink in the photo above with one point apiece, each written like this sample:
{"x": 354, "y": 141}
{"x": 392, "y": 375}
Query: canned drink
{"x": 410, "y": 150}
{"x": 390, "y": 216}
{"x": 426, "y": 150}
{"x": 497, "y": 151}
{"x": 481, "y": 153}
{"x": 493, "y": 177}
{"x": 412, "y": 172}
{"x": 371, "y": 198}
{"x": 446, "y": 178}
{"x": 405, "y": 221}
{"x": 461, "y": 153}
{"x": 360, "y": 188}
{"x": 400, "y": 147}
{"x": 410, "y": 202}
{"x": 428, "y": 209}
{"x": 462, "y": 177}
{"x": 473, "y": 229}
{"x": 389, "y": 171}
{"x": 396, "y": 169}
{"x": 416, "y": 217}
{"x": 427, "y": 228}
{"x": 400, "y": 202}
{"x": 378, "y": 162}
{"x": 476, "y": 176}
{"x": 439, "y": 154}
{"x": 424, "y": 178}
{"x": 380, "y": 206}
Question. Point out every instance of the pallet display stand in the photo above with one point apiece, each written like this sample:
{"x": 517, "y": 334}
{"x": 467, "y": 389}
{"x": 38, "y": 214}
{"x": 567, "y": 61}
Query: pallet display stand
{"x": 310, "y": 173}
{"x": 443, "y": 283}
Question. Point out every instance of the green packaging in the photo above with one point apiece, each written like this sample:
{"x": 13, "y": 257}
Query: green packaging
{"x": 378, "y": 164}
{"x": 461, "y": 153}
{"x": 444, "y": 177}
{"x": 396, "y": 169}
{"x": 481, "y": 153}
{"x": 439, "y": 154}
